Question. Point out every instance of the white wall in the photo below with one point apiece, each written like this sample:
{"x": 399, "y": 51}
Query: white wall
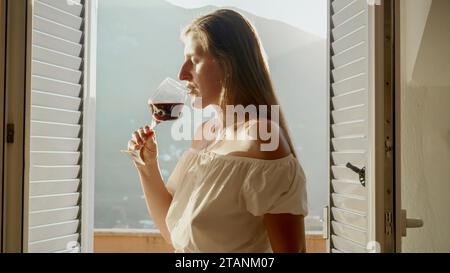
{"x": 425, "y": 122}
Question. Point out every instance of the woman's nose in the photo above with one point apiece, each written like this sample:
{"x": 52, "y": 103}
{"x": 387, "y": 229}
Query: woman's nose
{"x": 184, "y": 74}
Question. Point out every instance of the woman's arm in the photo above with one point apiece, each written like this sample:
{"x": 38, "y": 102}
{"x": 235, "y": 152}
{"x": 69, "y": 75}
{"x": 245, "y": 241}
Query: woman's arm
{"x": 286, "y": 232}
{"x": 157, "y": 196}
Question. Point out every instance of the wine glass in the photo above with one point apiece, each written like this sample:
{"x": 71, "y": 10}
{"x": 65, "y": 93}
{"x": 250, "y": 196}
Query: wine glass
{"x": 165, "y": 105}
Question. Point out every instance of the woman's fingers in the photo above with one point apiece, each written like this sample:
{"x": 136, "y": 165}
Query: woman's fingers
{"x": 148, "y": 132}
{"x": 150, "y": 143}
{"x": 141, "y": 135}
{"x": 133, "y": 145}
{"x": 136, "y": 138}
{"x": 145, "y": 138}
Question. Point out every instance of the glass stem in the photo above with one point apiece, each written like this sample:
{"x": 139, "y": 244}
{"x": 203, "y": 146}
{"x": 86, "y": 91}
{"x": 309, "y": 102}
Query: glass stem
{"x": 153, "y": 124}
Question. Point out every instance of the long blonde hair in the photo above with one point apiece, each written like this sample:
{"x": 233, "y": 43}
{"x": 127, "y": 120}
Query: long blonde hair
{"x": 232, "y": 40}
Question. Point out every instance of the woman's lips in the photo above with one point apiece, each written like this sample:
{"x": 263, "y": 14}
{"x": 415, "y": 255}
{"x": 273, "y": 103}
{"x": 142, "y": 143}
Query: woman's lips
{"x": 192, "y": 92}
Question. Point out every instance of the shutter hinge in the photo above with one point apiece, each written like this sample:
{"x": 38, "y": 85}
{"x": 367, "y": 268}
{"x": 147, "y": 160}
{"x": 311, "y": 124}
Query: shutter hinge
{"x": 388, "y": 147}
{"x": 388, "y": 223}
{"x": 10, "y": 133}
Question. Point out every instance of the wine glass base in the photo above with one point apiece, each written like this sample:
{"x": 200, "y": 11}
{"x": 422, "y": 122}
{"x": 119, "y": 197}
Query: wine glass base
{"x": 134, "y": 155}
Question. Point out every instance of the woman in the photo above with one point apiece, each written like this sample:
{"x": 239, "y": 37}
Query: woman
{"x": 226, "y": 195}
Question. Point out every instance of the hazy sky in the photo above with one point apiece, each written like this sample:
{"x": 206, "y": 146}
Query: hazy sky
{"x": 309, "y": 15}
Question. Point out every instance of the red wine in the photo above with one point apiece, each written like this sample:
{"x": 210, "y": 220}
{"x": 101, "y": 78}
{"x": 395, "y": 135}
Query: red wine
{"x": 166, "y": 111}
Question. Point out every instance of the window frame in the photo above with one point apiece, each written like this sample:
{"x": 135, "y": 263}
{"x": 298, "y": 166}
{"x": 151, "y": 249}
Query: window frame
{"x": 88, "y": 141}
{"x": 14, "y": 154}
{"x": 2, "y": 97}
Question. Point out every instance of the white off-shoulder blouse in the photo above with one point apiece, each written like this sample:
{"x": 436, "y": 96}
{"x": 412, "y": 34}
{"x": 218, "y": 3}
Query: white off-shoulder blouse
{"x": 219, "y": 200}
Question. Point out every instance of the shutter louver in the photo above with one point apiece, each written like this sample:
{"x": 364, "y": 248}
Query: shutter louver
{"x": 349, "y": 52}
{"x": 56, "y": 107}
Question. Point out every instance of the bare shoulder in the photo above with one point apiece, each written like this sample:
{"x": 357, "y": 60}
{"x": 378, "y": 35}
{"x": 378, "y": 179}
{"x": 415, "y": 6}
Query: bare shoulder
{"x": 267, "y": 140}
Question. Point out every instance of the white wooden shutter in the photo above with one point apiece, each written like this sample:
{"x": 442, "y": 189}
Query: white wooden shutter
{"x": 349, "y": 93}
{"x": 56, "y": 121}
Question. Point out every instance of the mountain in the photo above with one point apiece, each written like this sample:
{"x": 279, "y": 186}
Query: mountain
{"x": 138, "y": 46}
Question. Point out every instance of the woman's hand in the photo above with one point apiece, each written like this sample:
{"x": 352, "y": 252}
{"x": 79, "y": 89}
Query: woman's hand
{"x": 144, "y": 139}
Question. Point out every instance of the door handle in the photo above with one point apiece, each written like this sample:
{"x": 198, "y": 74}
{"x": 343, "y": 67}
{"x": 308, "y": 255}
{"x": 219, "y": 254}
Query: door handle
{"x": 409, "y": 223}
{"x": 360, "y": 172}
